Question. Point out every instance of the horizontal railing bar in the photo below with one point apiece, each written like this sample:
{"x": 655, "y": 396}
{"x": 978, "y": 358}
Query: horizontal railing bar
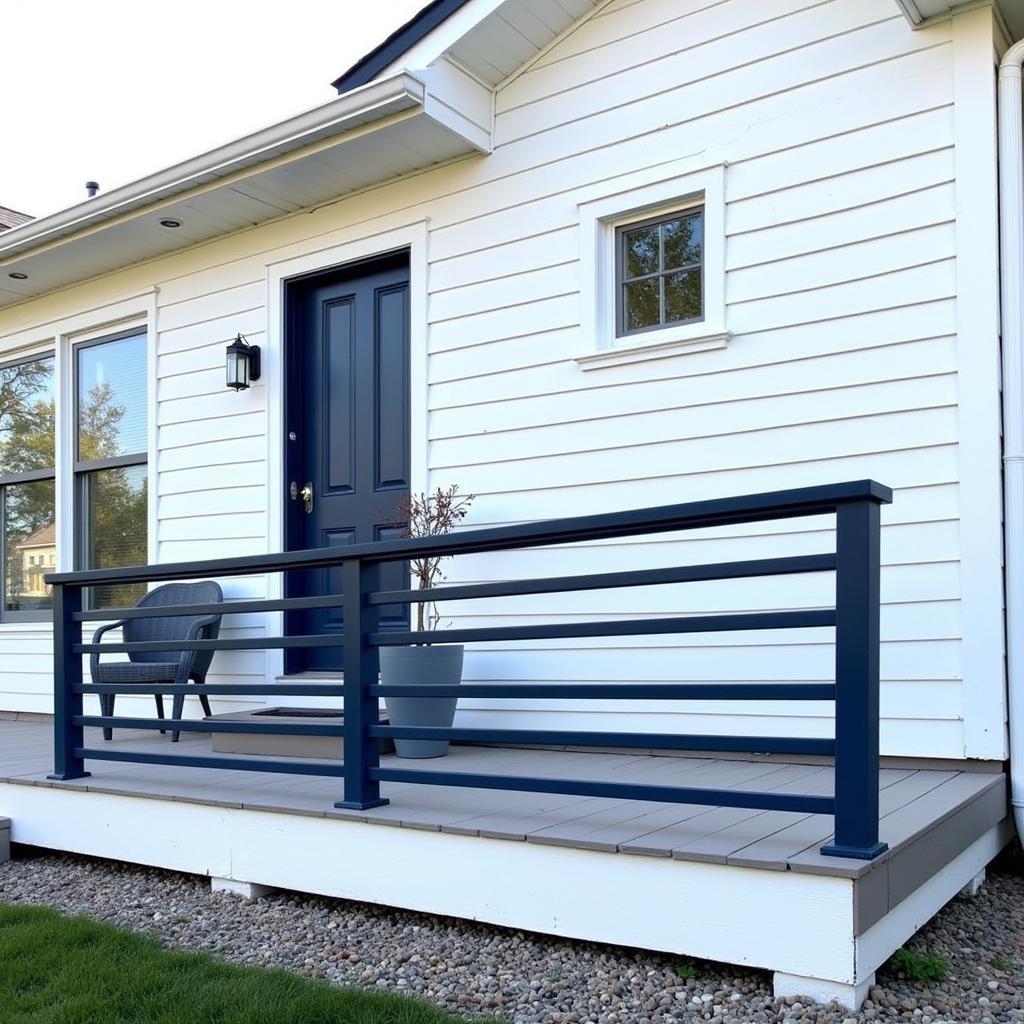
{"x": 216, "y": 689}
{"x": 644, "y": 741}
{"x": 292, "y": 766}
{"x": 244, "y": 643}
{"x": 221, "y": 608}
{"x": 268, "y": 727}
{"x": 630, "y": 627}
{"x": 616, "y": 691}
{"x": 770, "y": 801}
{"x": 795, "y": 503}
{"x": 612, "y": 580}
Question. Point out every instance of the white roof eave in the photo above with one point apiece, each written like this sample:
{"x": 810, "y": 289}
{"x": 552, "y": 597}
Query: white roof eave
{"x": 370, "y": 103}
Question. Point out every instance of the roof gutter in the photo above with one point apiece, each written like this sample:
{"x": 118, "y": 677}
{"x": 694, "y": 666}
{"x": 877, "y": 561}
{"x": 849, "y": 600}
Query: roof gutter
{"x": 1011, "y": 234}
{"x": 367, "y": 104}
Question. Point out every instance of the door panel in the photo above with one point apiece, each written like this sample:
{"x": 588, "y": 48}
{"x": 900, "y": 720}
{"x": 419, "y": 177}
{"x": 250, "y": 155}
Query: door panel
{"x": 346, "y": 430}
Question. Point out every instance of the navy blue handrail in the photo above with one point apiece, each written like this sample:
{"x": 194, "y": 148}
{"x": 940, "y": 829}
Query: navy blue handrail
{"x": 855, "y": 617}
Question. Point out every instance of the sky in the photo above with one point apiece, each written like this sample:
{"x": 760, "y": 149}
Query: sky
{"x": 113, "y": 90}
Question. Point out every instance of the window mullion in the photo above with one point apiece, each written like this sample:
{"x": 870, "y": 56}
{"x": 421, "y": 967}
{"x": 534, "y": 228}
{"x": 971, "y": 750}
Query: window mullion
{"x": 661, "y": 274}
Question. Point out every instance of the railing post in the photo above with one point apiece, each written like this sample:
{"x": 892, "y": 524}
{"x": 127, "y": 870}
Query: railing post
{"x": 67, "y": 676}
{"x": 361, "y": 663}
{"x": 858, "y": 562}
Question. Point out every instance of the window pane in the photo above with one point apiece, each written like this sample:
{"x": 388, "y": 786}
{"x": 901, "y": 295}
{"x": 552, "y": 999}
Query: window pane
{"x": 26, "y": 416}
{"x": 641, "y": 249}
{"x": 115, "y": 529}
{"x": 112, "y": 398}
{"x": 29, "y": 545}
{"x": 682, "y": 296}
{"x": 684, "y": 242}
{"x": 643, "y": 304}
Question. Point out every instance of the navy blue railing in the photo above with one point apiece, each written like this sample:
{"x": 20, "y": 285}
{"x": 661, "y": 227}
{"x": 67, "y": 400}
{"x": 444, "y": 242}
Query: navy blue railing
{"x": 855, "y": 618}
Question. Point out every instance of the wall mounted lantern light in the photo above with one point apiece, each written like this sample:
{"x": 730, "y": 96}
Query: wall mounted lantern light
{"x": 243, "y": 364}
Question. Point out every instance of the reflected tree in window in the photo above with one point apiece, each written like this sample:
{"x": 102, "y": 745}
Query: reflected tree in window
{"x": 114, "y": 500}
{"x": 26, "y": 482}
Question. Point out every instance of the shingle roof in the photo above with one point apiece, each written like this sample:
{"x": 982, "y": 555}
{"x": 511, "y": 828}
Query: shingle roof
{"x": 12, "y": 219}
{"x": 43, "y": 537}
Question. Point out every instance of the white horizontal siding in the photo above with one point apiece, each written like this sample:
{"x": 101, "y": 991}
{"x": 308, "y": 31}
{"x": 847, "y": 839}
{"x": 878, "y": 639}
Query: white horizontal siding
{"x": 839, "y": 290}
{"x": 837, "y": 124}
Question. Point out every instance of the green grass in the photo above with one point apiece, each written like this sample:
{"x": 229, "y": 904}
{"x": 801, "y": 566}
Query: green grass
{"x": 71, "y": 970}
{"x": 1000, "y": 963}
{"x": 925, "y": 968}
{"x": 686, "y": 971}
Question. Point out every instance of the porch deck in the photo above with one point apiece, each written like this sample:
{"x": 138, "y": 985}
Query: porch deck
{"x": 942, "y": 811}
{"x": 712, "y": 882}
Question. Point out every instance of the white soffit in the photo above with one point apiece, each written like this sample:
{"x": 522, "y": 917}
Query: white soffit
{"x": 919, "y": 11}
{"x": 385, "y": 129}
{"x": 514, "y": 34}
{"x": 492, "y": 39}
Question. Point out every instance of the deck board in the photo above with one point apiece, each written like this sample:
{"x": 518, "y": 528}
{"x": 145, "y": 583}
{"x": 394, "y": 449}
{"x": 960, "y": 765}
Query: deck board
{"x": 915, "y": 803}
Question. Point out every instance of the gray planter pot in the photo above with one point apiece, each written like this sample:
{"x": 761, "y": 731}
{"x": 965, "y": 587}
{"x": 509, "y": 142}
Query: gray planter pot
{"x": 437, "y": 665}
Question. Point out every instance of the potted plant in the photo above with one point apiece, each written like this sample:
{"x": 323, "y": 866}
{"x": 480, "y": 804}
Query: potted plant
{"x": 425, "y": 515}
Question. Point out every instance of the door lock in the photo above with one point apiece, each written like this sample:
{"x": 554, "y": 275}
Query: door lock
{"x": 305, "y": 493}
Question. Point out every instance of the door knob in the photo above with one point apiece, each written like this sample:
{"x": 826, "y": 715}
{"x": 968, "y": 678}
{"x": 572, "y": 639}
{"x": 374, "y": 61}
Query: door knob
{"x": 305, "y": 493}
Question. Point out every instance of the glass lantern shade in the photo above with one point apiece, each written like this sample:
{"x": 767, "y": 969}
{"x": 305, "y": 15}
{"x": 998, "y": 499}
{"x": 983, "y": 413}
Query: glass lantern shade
{"x": 242, "y": 365}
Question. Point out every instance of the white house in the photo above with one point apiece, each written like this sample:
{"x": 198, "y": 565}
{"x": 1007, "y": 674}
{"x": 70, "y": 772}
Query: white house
{"x": 612, "y": 254}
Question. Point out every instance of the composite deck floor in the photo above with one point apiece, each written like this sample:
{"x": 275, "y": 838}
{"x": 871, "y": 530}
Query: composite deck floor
{"x": 914, "y": 802}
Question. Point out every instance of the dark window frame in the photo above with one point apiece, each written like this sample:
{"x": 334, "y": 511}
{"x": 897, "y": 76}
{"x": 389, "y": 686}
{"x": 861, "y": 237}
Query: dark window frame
{"x": 82, "y": 469}
{"x": 621, "y": 280}
{"x": 12, "y": 480}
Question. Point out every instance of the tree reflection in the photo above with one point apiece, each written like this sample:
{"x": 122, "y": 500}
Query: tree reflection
{"x": 27, "y": 445}
{"x": 113, "y": 500}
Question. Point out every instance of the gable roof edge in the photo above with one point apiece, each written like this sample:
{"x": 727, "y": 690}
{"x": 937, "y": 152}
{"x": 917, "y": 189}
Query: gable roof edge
{"x": 400, "y": 42}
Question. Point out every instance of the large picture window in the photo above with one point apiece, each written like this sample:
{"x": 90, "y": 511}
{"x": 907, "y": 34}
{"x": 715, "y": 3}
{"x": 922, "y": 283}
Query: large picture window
{"x": 110, "y": 460}
{"x": 28, "y": 542}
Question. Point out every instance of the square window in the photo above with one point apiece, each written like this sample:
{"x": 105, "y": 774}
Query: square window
{"x": 652, "y": 266}
{"x": 658, "y": 266}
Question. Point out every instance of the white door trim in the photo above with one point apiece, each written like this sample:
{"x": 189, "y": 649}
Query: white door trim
{"x": 414, "y": 237}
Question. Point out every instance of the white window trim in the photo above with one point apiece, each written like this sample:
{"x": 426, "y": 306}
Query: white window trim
{"x": 143, "y": 323}
{"x": 599, "y": 217}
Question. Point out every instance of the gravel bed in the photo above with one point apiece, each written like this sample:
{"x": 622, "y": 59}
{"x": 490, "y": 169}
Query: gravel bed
{"x": 521, "y": 978}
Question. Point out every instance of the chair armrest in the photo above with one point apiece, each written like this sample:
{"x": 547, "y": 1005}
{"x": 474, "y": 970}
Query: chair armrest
{"x": 188, "y": 658}
{"x": 199, "y": 625}
{"x": 94, "y": 657}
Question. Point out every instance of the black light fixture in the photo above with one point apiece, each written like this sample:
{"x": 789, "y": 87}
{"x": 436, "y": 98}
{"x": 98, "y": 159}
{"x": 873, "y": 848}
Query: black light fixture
{"x": 243, "y": 363}
{"x": 18, "y": 275}
{"x": 170, "y": 222}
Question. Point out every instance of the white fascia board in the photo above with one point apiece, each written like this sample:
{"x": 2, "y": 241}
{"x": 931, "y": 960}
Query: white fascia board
{"x": 910, "y": 11}
{"x": 371, "y": 102}
{"x": 923, "y": 13}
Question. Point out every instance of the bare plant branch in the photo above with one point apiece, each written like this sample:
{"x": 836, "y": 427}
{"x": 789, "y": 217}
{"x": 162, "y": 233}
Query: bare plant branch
{"x": 428, "y": 515}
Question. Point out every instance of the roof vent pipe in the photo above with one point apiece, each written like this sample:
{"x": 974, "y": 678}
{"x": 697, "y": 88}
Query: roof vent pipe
{"x": 1011, "y": 283}
{"x": 91, "y": 188}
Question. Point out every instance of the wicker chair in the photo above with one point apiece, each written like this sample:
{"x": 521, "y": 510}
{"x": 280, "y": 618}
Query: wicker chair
{"x": 151, "y": 667}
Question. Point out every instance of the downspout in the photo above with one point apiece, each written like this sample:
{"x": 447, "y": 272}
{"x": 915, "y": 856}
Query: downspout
{"x": 1011, "y": 234}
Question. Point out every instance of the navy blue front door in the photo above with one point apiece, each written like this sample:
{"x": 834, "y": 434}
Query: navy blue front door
{"x": 346, "y": 431}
